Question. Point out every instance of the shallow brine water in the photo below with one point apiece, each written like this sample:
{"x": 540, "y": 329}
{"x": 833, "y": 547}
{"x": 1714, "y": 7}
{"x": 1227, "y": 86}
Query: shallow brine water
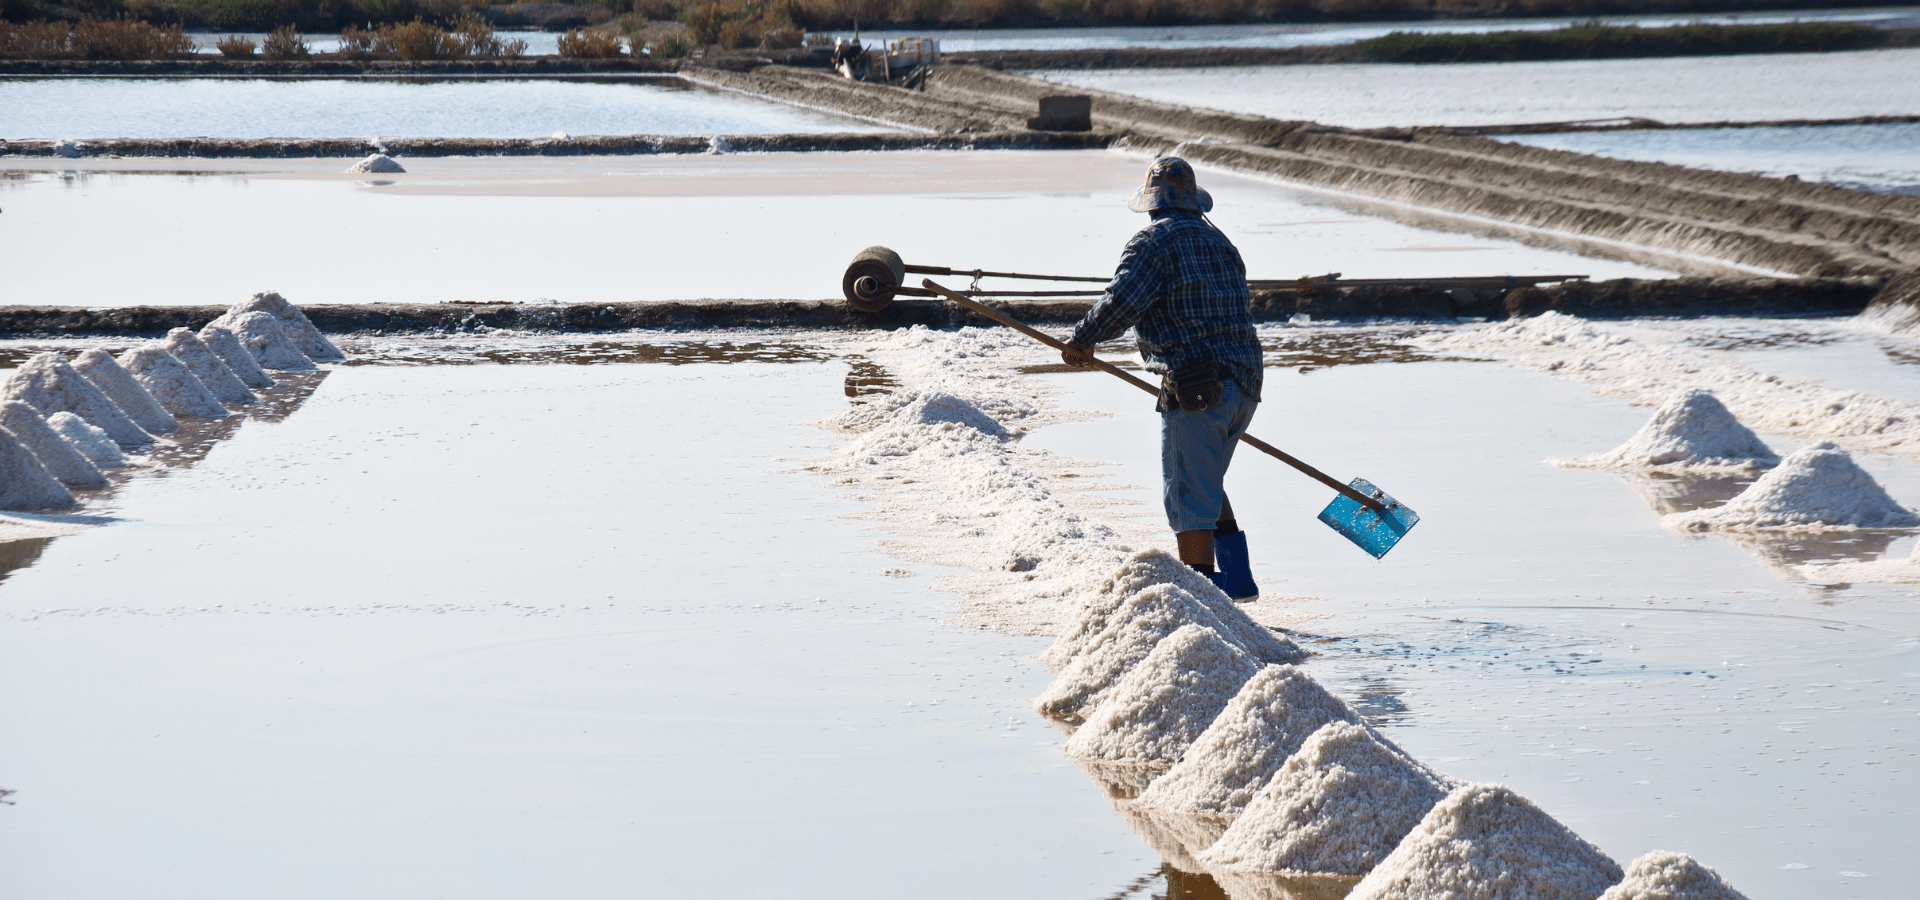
{"x": 670, "y": 228}
{"x": 1301, "y": 35}
{"x": 492, "y": 615}
{"x": 81, "y": 108}
{"x": 1872, "y": 157}
{"x": 1698, "y": 89}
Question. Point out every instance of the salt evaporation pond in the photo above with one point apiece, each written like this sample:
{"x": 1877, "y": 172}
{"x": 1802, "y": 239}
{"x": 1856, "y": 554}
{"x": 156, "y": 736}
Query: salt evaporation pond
{"x": 1315, "y": 34}
{"x": 80, "y": 108}
{"x": 1871, "y": 157}
{"x": 776, "y": 225}
{"x": 1756, "y": 88}
{"x": 378, "y": 632}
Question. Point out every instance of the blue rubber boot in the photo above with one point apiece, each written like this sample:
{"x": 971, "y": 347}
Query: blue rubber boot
{"x": 1235, "y": 573}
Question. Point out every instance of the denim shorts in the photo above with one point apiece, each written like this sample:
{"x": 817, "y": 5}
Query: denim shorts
{"x": 1195, "y": 448}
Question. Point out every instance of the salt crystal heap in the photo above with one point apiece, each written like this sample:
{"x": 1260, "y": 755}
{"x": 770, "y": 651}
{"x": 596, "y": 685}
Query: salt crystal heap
{"x": 1819, "y": 488}
{"x": 908, "y": 408}
{"x": 61, "y": 460}
{"x": 1692, "y": 432}
{"x": 228, "y": 347}
{"x": 377, "y": 164}
{"x": 1267, "y": 721}
{"x": 24, "y": 483}
{"x": 90, "y": 442}
{"x": 47, "y": 383}
{"x": 1662, "y": 875}
{"x": 1485, "y": 842}
{"x": 1150, "y": 596}
{"x": 1154, "y": 714}
{"x": 264, "y": 337}
{"x": 125, "y": 391}
{"x": 297, "y": 327}
{"x": 1338, "y": 806}
{"x": 207, "y": 366}
{"x": 169, "y": 381}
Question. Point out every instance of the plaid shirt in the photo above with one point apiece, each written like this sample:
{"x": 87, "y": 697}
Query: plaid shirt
{"x": 1182, "y": 286}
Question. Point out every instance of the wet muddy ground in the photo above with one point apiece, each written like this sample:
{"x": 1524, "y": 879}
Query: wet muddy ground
{"x": 496, "y": 615}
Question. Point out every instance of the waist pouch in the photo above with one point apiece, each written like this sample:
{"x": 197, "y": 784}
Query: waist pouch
{"x": 1191, "y": 387}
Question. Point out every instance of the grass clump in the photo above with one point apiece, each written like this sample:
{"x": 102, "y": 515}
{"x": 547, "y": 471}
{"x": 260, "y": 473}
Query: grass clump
{"x": 586, "y": 43}
{"x": 1594, "y": 40}
{"x": 470, "y": 38}
{"x": 234, "y": 46}
{"x": 90, "y": 38}
{"x": 285, "y": 43}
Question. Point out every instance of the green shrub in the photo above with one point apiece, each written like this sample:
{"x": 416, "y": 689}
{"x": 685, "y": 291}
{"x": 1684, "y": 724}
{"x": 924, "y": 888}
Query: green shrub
{"x": 285, "y": 43}
{"x": 670, "y": 47}
{"x": 234, "y": 46}
{"x": 584, "y": 43}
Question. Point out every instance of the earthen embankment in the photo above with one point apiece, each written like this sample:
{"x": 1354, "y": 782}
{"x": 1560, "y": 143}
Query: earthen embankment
{"x": 579, "y": 145}
{"x": 1765, "y": 225}
{"x": 1618, "y": 298}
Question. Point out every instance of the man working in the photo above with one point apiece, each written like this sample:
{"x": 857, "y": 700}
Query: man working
{"x": 1182, "y": 285}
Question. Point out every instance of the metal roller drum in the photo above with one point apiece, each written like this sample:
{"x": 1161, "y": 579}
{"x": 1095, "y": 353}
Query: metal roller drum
{"x": 872, "y": 278}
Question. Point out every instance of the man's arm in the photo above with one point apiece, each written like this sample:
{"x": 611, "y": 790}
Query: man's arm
{"x": 1136, "y": 284}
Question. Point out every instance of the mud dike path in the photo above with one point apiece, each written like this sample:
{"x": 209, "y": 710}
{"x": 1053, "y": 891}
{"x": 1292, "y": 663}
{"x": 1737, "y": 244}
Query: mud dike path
{"x": 1769, "y": 226}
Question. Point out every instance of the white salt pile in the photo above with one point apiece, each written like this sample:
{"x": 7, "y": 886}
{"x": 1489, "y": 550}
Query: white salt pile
{"x": 1157, "y": 711}
{"x": 1647, "y": 362}
{"x": 207, "y": 366}
{"x": 169, "y": 381}
{"x": 90, "y": 442}
{"x": 1691, "y": 432}
{"x": 377, "y": 164}
{"x": 908, "y": 408}
{"x": 1265, "y": 723}
{"x": 1339, "y": 805}
{"x": 1485, "y": 842}
{"x": 295, "y": 323}
{"x": 1662, "y": 875}
{"x": 1819, "y": 488}
{"x": 61, "y": 460}
{"x": 228, "y": 347}
{"x": 25, "y": 483}
{"x": 125, "y": 391}
{"x": 264, "y": 337}
{"x": 1133, "y": 629}
{"x": 47, "y": 383}
{"x": 1144, "y": 569}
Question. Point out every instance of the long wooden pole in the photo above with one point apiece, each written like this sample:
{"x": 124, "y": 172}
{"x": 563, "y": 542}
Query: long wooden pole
{"x": 1134, "y": 380}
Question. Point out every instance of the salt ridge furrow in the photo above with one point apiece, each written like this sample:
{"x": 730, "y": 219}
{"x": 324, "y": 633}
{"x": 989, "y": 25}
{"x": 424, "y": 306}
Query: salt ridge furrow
{"x": 1647, "y": 368}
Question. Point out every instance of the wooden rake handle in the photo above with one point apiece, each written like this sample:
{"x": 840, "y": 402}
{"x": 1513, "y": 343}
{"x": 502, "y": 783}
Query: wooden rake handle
{"x": 1134, "y": 380}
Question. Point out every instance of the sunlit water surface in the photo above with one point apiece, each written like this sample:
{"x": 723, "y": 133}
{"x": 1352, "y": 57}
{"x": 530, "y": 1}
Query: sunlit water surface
{"x": 1697, "y": 89}
{"x": 1872, "y": 157}
{"x": 257, "y": 108}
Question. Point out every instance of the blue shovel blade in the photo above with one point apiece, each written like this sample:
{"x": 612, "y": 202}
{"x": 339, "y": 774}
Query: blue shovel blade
{"x": 1365, "y": 527}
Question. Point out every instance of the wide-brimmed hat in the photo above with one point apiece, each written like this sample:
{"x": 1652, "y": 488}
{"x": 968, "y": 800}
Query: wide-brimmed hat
{"x": 1170, "y": 185}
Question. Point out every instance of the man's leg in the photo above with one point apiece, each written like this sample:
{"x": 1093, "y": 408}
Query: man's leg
{"x": 1195, "y": 448}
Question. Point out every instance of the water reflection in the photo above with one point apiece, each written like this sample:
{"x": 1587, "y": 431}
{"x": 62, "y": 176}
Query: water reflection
{"x": 865, "y": 377}
{"x": 1668, "y": 494}
{"x": 1308, "y": 349}
{"x": 1271, "y": 886}
{"x": 15, "y": 555}
{"x": 1785, "y": 554}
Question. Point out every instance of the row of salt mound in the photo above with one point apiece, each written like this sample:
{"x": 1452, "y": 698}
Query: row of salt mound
{"x": 1146, "y": 599}
{"x": 1162, "y": 705}
{"x": 207, "y": 366}
{"x": 61, "y": 458}
{"x": 125, "y": 391}
{"x": 1485, "y": 842}
{"x": 92, "y": 443}
{"x": 227, "y": 346}
{"x": 52, "y": 385}
{"x": 1339, "y": 805}
{"x": 172, "y": 383}
{"x": 1662, "y": 875}
{"x": 25, "y": 483}
{"x": 298, "y": 331}
{"x": 1691, "y": 432}
{"x": 1819, "y": 488}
